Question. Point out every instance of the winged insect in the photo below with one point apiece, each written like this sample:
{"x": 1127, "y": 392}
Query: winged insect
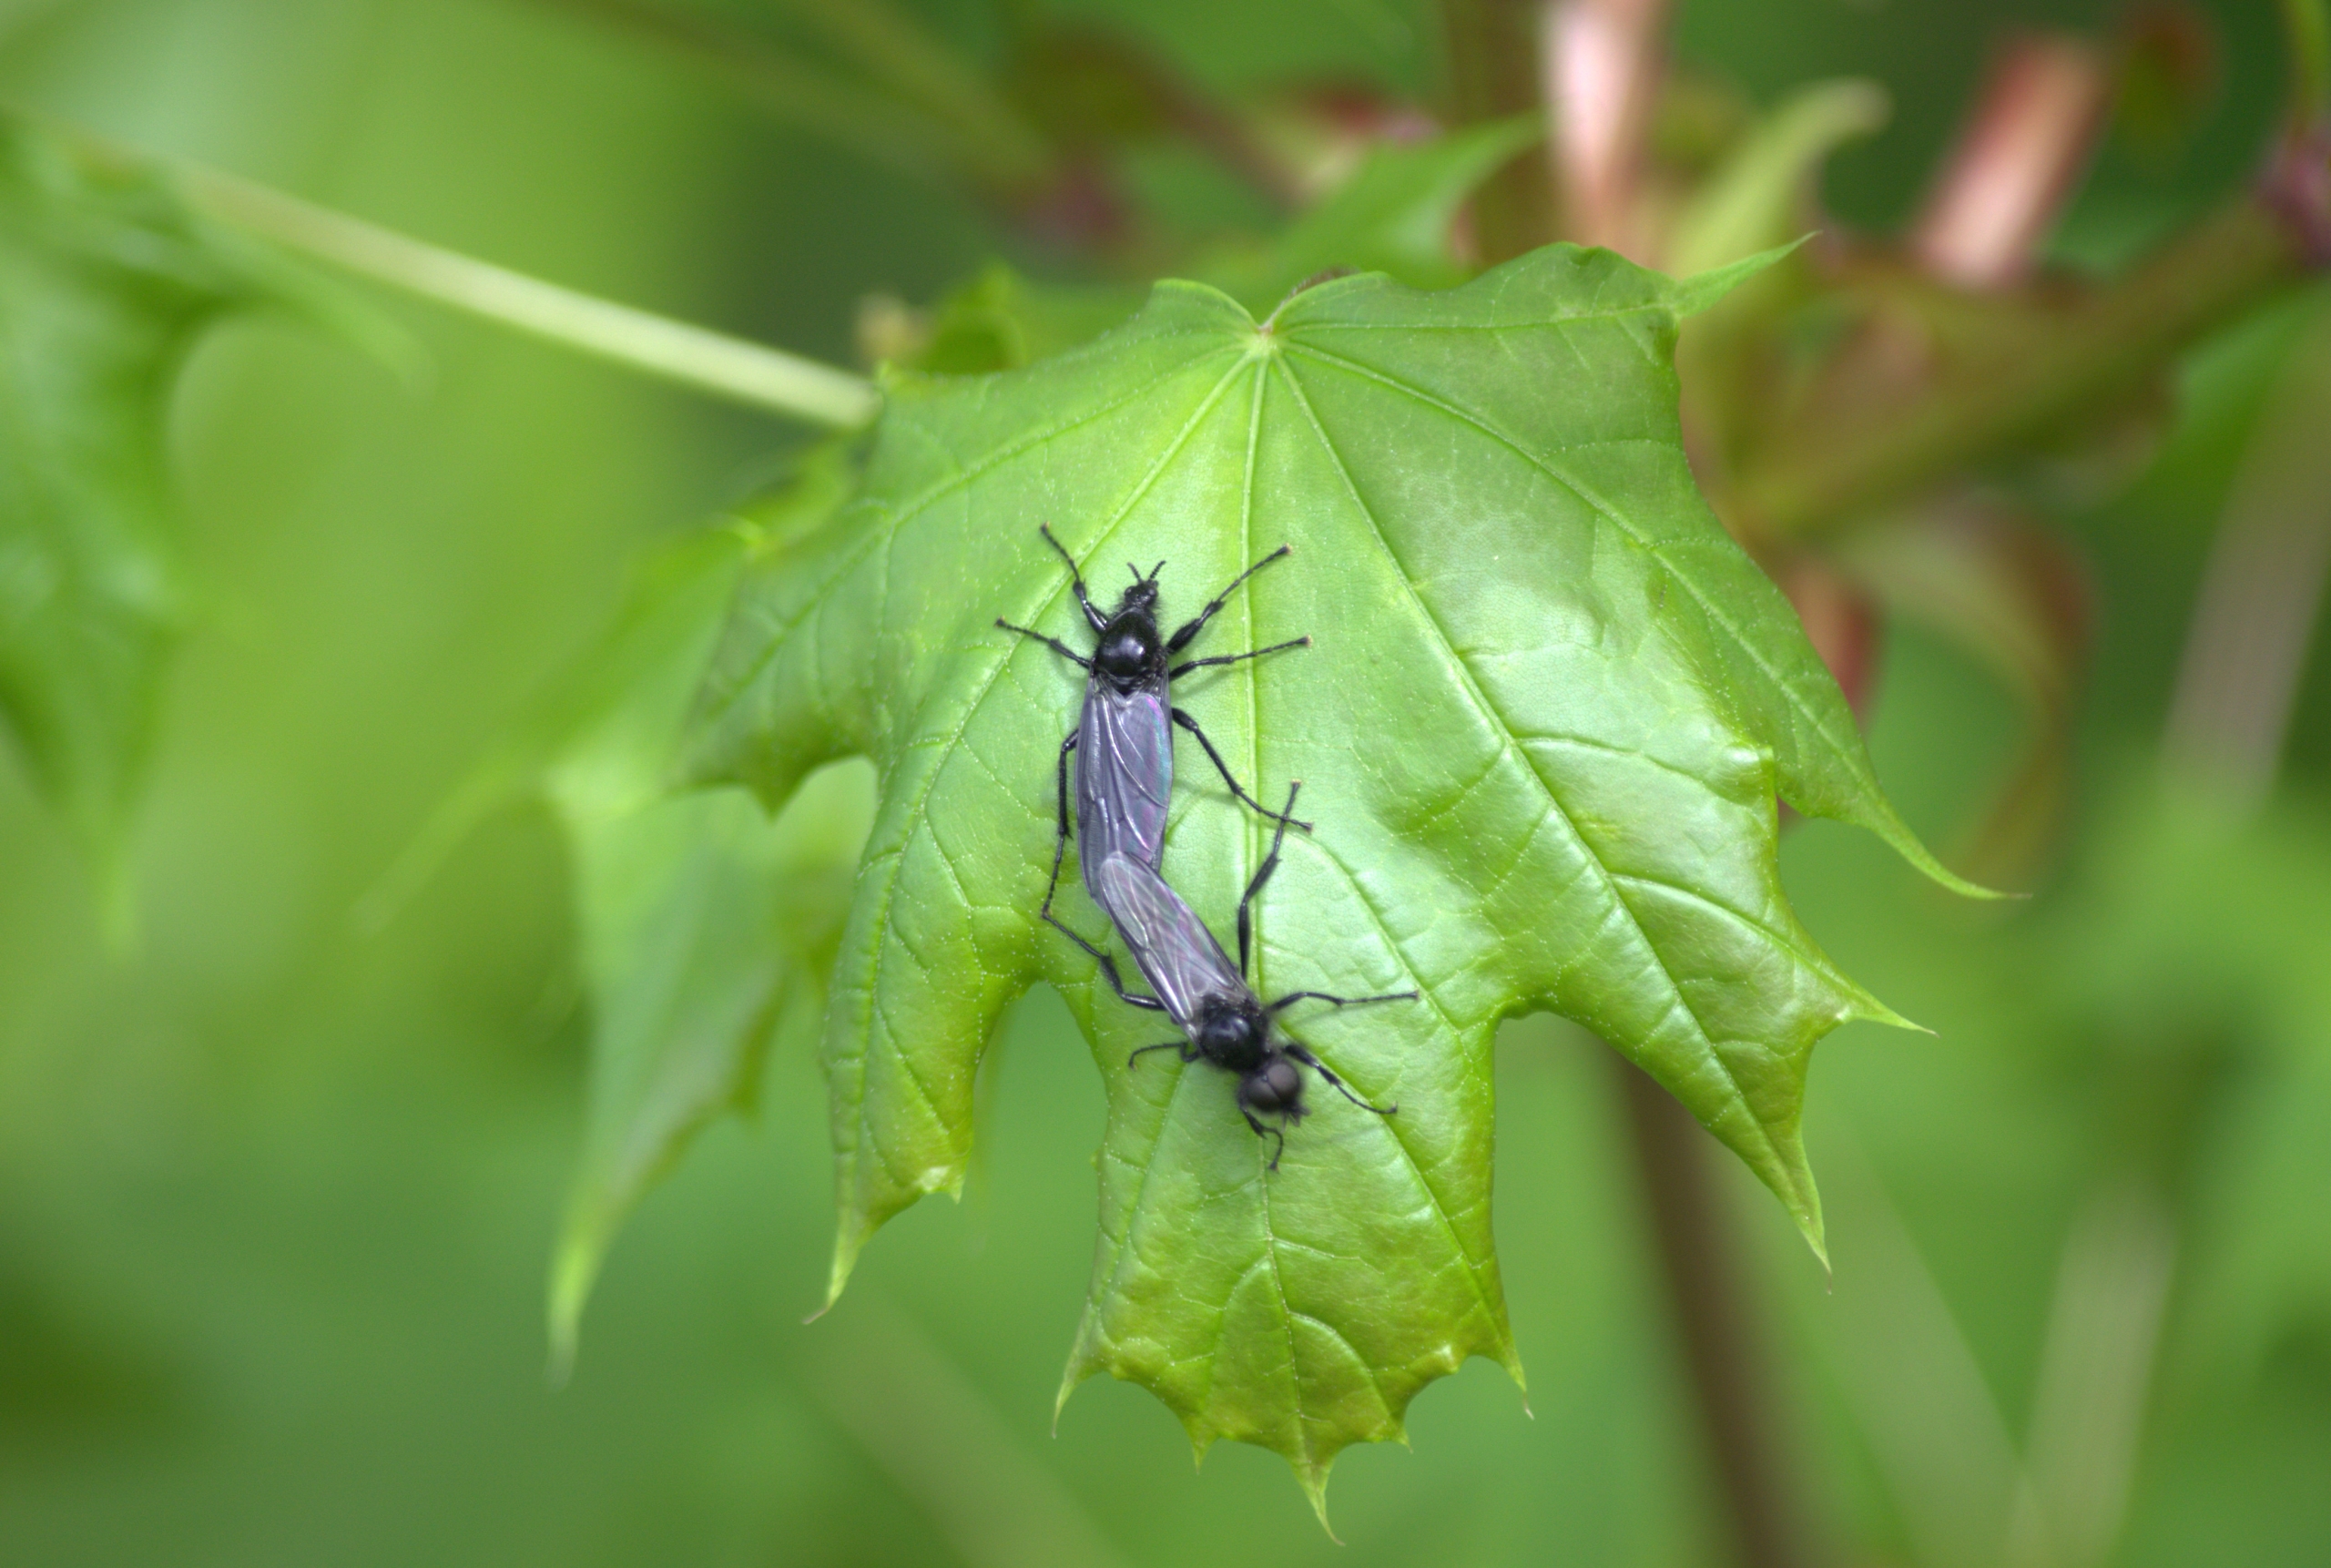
{"x": 1123, "y": 747}
{"x": 1224, "y": 1022}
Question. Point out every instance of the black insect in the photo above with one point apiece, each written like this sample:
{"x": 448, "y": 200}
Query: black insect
{"x": 1124, "y": 769}
{"x": 1225, "y": 1023}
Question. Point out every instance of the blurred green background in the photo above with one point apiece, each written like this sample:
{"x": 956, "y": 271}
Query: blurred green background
{"x": 277, "y": 1191}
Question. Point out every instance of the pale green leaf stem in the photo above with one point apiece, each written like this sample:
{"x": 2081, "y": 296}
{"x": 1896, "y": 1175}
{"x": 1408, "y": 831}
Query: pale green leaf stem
{"x": 692, "y": 356}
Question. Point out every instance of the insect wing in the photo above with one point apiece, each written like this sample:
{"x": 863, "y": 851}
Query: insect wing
{"x": 1124, "y": 777}
{"x": 1180, "y": 957}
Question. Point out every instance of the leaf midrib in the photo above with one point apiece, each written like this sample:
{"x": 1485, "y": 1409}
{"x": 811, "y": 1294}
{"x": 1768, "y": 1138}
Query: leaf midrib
{"x": 1474, "y": 1267}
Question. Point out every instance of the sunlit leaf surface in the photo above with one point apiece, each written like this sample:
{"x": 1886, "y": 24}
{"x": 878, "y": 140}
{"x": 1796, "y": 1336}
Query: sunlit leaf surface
{"x": 1542, "y": 729}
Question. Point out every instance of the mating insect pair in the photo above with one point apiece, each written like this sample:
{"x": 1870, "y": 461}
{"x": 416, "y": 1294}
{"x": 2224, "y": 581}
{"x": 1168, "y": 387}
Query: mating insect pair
{"x": 1124, "y": 775}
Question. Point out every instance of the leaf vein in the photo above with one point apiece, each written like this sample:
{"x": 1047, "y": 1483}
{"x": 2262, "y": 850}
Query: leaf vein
{"x": 1820, "y": 725}
{"x": 1486, "y": 710}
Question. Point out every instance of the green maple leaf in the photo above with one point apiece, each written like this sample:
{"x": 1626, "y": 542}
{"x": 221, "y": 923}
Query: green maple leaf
{"x": 706, "y": 929}
{"x": 108, "y": 278}
{"x": 1542, "y": 728}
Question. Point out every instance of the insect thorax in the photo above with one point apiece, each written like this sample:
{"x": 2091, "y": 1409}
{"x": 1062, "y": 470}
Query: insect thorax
{"x": 1130, "y": 652}
{"x": 1232, "y": 1033}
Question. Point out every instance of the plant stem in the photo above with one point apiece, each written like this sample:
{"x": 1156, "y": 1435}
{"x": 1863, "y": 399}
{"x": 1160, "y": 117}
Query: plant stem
{"x": 1603, "y": 64}
{"x": 2261, "y": 592}
{"x": 1844, "y": 456}
{"x": 1721, "y": 1353}
{"x": 709, "y": 362}
{"x": 1493, "y": 61}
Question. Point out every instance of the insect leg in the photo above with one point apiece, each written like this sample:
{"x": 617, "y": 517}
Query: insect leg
{"x": 1108, "y": 966}
{"x": 1302, "y": 1054}
{"x": 1189, "y": 1053}
{"x": 1262, "y": 875}
{"x": 1187, "y": 722}
{"x": 1292, "y": 997}
{"x": 1060, "y": 844}
{"x": 1181, "y": 640}
{"x": 1058, "y": 646}
{"x": 1179, "y": 670}
{"x": 1262, "y": 1132}
{"x": 1092, "y": 616}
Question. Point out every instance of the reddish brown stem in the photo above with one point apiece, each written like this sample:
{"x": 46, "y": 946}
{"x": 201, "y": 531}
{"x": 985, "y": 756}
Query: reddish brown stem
{"x": 1721, "y": 1353}
{"x": 2016, "y": 162}
{"x": 1604, "y": 60}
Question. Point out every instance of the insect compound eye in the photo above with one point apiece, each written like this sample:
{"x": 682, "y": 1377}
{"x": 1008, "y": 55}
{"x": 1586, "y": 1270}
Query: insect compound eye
{"x": 1274, "y": 1087}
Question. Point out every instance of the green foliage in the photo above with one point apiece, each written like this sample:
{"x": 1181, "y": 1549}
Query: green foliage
{"x": 706, "y": 930}
{"x": 1543, "y": 724}
{"x": 267, "y": 1170}
{"x": 2187, "y": 977}
{"x": 1392, "y": 215}
{"x": 106, "y": 279}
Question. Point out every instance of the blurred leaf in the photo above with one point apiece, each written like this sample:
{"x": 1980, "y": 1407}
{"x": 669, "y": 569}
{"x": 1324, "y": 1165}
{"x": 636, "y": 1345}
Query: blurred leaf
{"x": 1547, "y": 712}
{"x": 1393, "y": 216}
{"x": 1001, "y": 321}
{"x": 2198, "y": 936}
{"x": 1919, "y": 385}
{"x": 1995, "y": 583}
{"x": 106, "y": 279}
{"x": 904, "y": 102}
{"x": 706, "y": 929}
{"x": 1761, "y": 196}
{"x": 1095, "y": 92}
{"x": 2165, "y": 73}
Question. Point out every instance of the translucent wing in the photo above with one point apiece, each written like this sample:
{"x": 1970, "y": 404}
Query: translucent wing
{"x": 1180, "y": 958}
{"x": 1124, "y": 777}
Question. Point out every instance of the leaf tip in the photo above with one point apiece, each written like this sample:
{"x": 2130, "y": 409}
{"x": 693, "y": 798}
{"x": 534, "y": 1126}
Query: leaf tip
{"x": 1312, "y": 1476}
{"x": 1809, "y": 1226}
{"x": 575, "y": 1267}
{"x": 849, "y": 1236}
{"x": 560, "y": 1369}
{"x": 1072, "y": 1378}
{"x": 1201, "y": 1444}
{"x": 1868, "y": 1009}
{"x": 1888, "y": 824}
{"x": 1697, "y": 293}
